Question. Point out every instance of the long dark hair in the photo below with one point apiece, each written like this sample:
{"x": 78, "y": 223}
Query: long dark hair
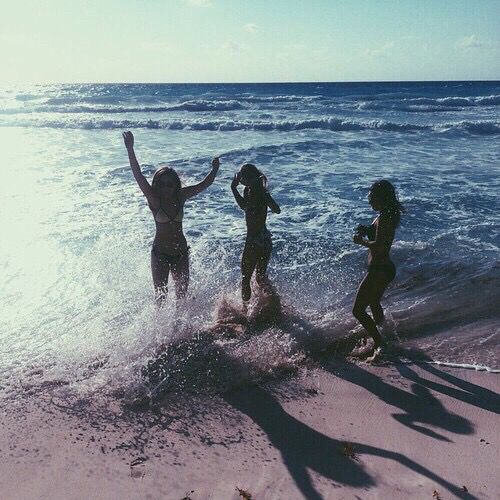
{"x": 166, "y": 171}
{"x": 249, "y": 169}
{"x": 385, "y": 193}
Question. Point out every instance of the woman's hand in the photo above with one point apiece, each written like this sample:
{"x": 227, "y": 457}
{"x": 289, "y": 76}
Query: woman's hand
{"x": 215, "y": 164}
{"x": 234, "y": 188}
{"x": 195, "y": 189}
{"x": 128, "y": 139}
{"x": 236, "y": 180}
{"x": 358, "y": 239}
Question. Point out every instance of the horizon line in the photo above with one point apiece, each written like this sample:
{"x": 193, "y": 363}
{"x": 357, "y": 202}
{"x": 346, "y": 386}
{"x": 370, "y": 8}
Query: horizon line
{"x": 304, "y": 82}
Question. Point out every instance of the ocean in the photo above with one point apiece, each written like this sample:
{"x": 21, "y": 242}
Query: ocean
{"x": 77, "y": 307}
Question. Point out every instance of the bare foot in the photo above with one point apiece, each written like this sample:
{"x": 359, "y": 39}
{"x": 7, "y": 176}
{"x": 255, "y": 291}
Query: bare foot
{"x": 377, "y": 353}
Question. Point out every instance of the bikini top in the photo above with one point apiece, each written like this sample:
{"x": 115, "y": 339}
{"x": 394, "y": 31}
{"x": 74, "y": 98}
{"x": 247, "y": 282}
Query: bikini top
{"x": 162, "y": 217}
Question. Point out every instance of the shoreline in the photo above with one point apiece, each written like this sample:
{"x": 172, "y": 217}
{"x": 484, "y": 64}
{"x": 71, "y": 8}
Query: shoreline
{"x": 343, "y": 430}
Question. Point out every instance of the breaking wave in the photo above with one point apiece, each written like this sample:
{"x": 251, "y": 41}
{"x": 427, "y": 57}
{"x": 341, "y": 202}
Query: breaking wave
{"x": 334, "y": 124}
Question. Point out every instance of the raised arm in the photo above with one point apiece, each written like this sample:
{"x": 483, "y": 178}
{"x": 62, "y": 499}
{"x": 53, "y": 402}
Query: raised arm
{"x": 128, "y": 139}
{"x": 190, "y": 191}
{"x": 234, "y": 188}
{"x": 275, "y": 208}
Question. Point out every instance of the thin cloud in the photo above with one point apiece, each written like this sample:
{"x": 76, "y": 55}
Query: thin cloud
{"x": 380, "y": 51}
{"x": 471, "y": 42}
{"x": 250, "y": 27}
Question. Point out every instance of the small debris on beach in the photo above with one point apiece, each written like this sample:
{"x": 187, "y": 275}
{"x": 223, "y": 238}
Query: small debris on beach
{"x": 436, "y": 495}
{"x": 137, "y": 461}
{"x": 349, "y": 451}
{"x": 244, "y": 494}
{"x": 464, "y": 488}
{"x": 187, "y": 496}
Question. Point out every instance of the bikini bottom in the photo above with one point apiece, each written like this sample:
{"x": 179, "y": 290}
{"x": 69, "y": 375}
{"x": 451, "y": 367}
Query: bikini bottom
{"x": 388, "y": 268}
{"x": 167, "y": 258}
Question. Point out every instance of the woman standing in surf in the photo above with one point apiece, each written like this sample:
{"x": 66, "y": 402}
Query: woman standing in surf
{"x": 258, "y": 244}
{"x": 378, "y": 238}
{"x": 166, "y": 198}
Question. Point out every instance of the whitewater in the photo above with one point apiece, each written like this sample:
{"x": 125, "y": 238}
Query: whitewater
{"x": 77, "y": 310}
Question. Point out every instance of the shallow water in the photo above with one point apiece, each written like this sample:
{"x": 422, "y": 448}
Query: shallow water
{"x": 76, "y": 283}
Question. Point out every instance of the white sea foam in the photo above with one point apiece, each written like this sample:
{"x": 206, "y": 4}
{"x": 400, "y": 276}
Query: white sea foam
{"x": 480, "y": 368}
{"x": 334, "y": 124}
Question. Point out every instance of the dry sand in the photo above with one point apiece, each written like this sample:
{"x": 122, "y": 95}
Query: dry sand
{"x": 344, "y": 431}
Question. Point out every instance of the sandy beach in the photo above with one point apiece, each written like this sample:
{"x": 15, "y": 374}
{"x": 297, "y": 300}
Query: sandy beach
{"x": 338, "y": 431}
{"x": 250, "y": 250}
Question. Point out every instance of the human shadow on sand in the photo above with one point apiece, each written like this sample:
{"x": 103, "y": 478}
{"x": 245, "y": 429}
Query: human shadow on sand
{"x": 304, "y": 448}
{"x": 419, "y": 405}
{"x": 465, "y": 391}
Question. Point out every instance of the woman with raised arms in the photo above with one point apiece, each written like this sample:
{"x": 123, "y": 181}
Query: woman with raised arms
{"x": 166, "y": 198}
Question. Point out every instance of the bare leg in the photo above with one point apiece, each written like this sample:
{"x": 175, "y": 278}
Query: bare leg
{"x": 370, "y": 292}
{"x": 180, "y": 275}
{"x": 248, "y": 263}
{"x": 377, "y": 312}
{"x": 261, "y": 268}
{"x": 375, "y": 306}
{"x": 160, "y": 271}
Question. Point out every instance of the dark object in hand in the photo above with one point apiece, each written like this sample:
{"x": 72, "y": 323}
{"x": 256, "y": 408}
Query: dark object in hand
{"x": 368, "y": 231}
{"x": 361, "y": 230}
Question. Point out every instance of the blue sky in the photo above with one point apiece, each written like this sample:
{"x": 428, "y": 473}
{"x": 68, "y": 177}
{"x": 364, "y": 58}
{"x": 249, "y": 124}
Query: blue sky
{"x": 248, "y": 40}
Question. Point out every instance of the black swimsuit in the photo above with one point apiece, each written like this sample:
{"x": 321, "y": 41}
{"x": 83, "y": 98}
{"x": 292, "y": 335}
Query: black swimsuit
{"x": 388, "y": 268}
{"x": 162, "y": 217}
{"x": 167, "y": 258}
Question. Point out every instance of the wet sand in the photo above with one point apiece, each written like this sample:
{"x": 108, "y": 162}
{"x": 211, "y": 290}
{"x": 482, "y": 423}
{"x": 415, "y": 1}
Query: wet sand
{"x": 342, "y": 431}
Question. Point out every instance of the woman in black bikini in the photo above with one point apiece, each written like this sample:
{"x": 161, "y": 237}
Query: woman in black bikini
{"x": 381, "y": 270}
{"x": 258, "y": 245}
{"x": 166, "y": 198}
